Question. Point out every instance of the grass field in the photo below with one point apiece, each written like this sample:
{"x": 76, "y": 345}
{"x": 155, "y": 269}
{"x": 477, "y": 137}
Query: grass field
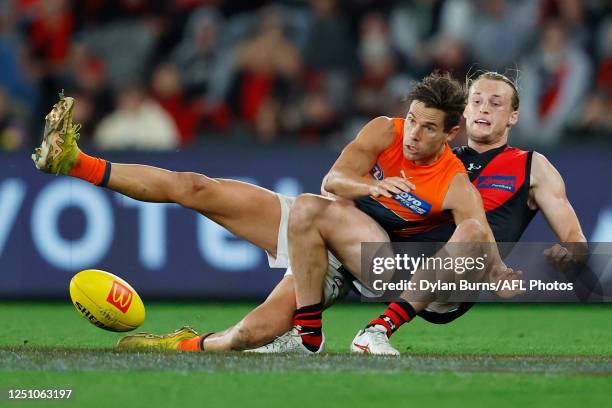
{"x": 511, "y": 355}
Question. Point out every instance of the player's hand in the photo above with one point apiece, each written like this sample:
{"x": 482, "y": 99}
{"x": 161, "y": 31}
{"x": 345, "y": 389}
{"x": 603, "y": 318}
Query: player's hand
{"x": 563, "y": 259}
{"x": 391, "y": 186}
{"x": 511, "y": 281}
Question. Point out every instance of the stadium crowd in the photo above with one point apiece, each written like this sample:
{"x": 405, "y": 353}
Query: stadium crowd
{"x": 162, "y": 75}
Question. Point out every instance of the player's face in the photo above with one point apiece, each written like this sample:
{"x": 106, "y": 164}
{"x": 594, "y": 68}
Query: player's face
{"x": 488, "y": 114}
{"x": 424, "y": 135}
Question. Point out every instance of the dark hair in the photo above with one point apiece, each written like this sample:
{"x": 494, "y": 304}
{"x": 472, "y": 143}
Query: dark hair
{"x": 496, "y": 76}
{"x": 440, "y": 91}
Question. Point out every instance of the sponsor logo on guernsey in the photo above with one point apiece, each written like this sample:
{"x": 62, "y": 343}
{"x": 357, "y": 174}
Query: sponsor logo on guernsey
{"x": 377, "y": 172}
{"x": 507, "y": 183}
{"x": 413, "y": 203}
{"x": 120, "y": 297}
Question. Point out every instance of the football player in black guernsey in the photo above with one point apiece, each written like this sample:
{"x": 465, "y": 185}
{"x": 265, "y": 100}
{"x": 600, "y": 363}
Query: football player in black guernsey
{"x": 514, "y": 184}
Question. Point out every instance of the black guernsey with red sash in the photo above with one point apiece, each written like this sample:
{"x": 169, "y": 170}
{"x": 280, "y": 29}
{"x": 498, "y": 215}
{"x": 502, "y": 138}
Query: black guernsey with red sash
{"x": 502, "y": 177}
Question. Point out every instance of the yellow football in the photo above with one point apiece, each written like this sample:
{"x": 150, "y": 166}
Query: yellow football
{"x": 106, "y": 300}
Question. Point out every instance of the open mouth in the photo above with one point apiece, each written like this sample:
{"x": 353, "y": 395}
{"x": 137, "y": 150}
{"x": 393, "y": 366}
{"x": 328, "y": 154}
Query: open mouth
{"x": 411, "y": 149}
{"x": 482, "y": 122}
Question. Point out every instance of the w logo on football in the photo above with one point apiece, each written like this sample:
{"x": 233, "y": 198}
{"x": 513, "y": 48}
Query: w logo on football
{"x": 120, "y": 297}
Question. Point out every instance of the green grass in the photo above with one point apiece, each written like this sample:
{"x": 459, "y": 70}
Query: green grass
{"x": 154, "y": 389}
{"x": 502, "y": 355}
{"x": 487, "y": 329}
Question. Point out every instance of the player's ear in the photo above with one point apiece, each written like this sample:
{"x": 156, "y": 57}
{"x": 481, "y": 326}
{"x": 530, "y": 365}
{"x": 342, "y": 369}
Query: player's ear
{"x": 452, "y": 134}
{"x": 514, "y": 116}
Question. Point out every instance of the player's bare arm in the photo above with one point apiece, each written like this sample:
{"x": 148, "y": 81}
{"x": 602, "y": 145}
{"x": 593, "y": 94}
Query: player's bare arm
{"x": 465, "y": 203}
{"x": 349, "y": 177}
{"x": 547, "y": 192}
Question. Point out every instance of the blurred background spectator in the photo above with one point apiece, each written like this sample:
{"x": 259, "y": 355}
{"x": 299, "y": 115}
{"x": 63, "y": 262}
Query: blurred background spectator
{"x": 138, "y": 123}
{"x": 185, "y": 73}
{"x": 268, "y": 73}
{"x": 12, "y": 127}
{"x": 555, "y": 78}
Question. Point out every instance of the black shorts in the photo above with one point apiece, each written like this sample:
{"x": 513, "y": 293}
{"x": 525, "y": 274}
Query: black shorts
{"x": 444, "y": 318}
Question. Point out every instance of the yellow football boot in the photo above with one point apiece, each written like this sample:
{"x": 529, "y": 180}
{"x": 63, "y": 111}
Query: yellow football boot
{"x": 58, "y": 150}
{"x": 155, "y": 342}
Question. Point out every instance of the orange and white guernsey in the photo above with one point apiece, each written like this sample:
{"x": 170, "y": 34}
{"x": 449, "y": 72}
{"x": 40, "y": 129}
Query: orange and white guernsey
{"x": 419, "y": 211}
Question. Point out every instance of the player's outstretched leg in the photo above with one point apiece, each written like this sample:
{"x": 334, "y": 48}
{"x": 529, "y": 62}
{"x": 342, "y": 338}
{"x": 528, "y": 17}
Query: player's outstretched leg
{"x": 262, "y": 325}
{"x": 249, "y": 211}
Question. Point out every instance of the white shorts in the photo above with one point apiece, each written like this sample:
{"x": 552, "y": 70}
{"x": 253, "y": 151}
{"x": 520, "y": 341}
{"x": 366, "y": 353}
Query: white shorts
{"x": 335, "y": 285}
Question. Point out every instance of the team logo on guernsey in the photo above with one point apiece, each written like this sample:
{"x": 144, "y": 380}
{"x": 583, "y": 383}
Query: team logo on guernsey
{"x": 472, "y": 167}
{"x": 507, "y": 183}
{"x": 377, "y": 172}
{"x": 413, "y": 203}
{"x": 120, "y": 297}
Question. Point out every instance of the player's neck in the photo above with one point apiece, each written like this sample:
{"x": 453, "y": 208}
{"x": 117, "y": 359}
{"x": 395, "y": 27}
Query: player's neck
{"x": 485, "y": 146}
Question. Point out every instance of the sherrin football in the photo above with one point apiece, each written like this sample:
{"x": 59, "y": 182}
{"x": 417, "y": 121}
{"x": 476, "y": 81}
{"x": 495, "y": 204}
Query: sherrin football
{"x": 106, "y": 300}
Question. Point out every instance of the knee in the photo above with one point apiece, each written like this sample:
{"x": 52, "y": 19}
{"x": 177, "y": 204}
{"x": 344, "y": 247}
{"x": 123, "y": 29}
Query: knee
{"x": 471, "y": 230}
{"x": 305, "y": 211}
{"x": 191, "y": 189}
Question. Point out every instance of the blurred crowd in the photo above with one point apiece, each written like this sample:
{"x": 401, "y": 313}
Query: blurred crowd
{"x": 162, "y": 75}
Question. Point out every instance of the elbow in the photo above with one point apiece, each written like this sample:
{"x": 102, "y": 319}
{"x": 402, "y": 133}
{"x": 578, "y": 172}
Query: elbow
{"x": 330, "y": 183}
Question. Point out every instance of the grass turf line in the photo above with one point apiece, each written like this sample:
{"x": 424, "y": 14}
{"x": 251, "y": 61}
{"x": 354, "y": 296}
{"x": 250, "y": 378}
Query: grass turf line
{"x": 88, "y": 360}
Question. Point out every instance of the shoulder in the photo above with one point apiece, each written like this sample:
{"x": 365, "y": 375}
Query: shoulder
{"x": 379, "y": 133}
{"x": 540, "y": 164}
{"x": 542, "y": 170}
{"x": 461, "y": 192}
{"x": 383, "y": 124}
{"x": 539, "y": 159}
{"x": 461, "y": 181}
